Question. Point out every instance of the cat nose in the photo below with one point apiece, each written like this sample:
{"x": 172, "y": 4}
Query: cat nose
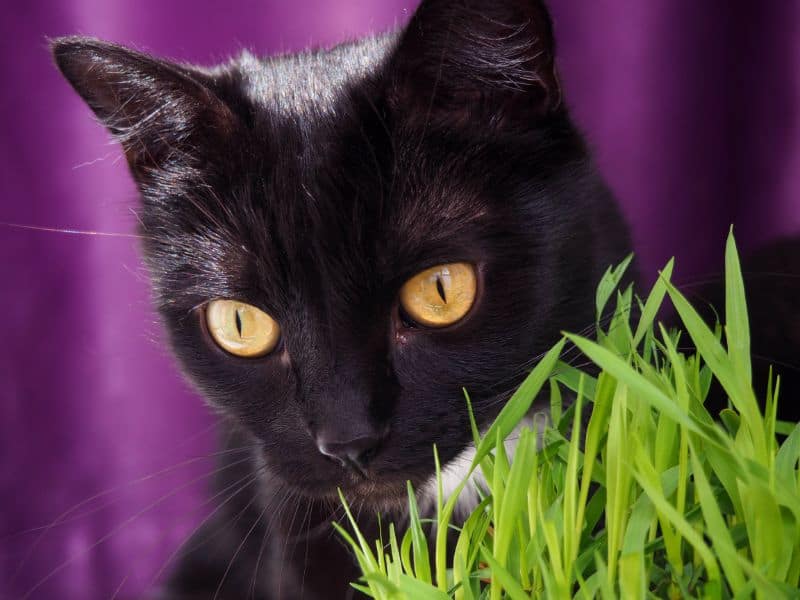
{"x": 355, "y": 453}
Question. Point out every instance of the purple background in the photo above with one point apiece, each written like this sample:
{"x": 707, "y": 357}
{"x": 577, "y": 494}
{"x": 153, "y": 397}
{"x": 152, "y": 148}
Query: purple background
{"x": 692, "y": 108}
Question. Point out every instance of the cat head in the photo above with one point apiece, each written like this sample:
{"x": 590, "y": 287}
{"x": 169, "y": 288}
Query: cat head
{"x": 342, "y": 241}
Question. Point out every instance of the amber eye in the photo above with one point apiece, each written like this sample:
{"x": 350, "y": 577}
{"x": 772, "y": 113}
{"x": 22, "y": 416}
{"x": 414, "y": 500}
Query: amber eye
{"x": 441, "y": 295}
{"x": 242, "y": 329}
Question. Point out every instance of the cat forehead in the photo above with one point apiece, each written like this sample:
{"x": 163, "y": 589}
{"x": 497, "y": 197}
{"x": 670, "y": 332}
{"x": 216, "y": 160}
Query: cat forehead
{"x": 310, "y": 82}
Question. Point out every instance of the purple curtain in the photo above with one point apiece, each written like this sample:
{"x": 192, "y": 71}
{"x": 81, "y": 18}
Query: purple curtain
{"x": 692, "y": 108}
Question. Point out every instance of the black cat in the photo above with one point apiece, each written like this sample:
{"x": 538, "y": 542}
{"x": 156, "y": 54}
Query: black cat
{"x": 339, "y": 242}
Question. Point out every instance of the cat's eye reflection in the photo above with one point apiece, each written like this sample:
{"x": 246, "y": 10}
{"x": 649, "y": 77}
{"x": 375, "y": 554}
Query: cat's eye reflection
{"x": 440, "y": 296}
{"x": 242, "y": 329}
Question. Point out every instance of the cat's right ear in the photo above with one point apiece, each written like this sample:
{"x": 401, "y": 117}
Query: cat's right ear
{"x": 161, "y": 113}
{"x": 477, "y": 61}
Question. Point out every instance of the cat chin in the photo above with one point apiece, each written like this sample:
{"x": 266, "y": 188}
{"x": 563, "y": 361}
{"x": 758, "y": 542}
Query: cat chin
{"x": 378, "y": 493}
{"x": 374, "y": 496}
{"x": 380, "y": 497}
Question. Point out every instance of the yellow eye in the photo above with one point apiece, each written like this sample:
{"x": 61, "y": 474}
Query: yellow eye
{"x": 441, "y": 295}
{"x": 242, "y": 329}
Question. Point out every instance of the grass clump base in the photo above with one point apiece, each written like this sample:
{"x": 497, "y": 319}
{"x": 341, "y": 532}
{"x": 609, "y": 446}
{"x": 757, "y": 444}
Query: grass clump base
{"x": 649, "y": 497}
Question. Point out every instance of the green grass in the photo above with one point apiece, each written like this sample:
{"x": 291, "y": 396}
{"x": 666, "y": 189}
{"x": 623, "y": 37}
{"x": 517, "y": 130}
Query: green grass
{"x": 652, "y": 496}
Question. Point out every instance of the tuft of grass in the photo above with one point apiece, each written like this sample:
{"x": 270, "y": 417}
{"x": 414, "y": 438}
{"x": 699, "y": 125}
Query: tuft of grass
{"x": 636, "y": 491}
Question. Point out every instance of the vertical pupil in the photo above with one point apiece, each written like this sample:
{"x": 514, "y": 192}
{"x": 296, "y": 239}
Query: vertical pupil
{"x": 239, "y": 321}
{"x": 440, "y": 289}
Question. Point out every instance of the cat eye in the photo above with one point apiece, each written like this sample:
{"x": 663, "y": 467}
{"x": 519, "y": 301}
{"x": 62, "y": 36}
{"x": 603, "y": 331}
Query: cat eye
{"x": 440, "y": 296}
{"x": 242, "y": 329}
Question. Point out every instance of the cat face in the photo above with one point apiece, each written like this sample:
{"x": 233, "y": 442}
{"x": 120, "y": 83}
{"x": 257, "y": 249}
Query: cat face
{"x": 306, "y": 203}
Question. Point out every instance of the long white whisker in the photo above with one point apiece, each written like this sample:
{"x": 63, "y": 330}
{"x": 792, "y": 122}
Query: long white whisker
{"x": 63, "y": 517}
{"x": 239, "y": 548}
{"x": 73, "y": 231}
{"x": 121, "y": 526}
{"x": 248, "y": 480}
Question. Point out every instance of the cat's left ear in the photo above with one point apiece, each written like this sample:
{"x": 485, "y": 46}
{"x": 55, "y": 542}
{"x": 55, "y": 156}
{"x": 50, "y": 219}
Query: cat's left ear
{"x": 162, "y": 113}
{"x": 458, "y": 59}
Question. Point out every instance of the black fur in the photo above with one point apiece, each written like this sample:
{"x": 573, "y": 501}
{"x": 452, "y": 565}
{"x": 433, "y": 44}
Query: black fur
{"x": 772, "y": 287}
{"x": 313, "y": 186}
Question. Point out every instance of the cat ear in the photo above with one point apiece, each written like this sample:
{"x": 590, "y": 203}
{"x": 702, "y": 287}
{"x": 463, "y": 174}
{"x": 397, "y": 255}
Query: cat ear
{"x": 458, "y": 59}
{"x": 162, "y": 113}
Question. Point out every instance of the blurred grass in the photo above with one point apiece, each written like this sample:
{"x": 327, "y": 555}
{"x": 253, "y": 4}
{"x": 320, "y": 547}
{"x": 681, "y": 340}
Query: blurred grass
{"x": 642, "y": 495}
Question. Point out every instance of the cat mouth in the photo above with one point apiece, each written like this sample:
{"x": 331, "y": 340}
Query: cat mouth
{"x": 383, "y": 494}
{"x": 359, "y": 480}
{"x": 361, "y": 487}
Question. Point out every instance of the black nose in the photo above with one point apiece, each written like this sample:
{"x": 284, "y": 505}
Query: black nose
{"x": 355, "y": 453}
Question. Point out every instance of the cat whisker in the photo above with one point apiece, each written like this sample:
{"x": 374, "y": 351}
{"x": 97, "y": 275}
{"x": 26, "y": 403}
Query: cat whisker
{"x": 243, "y": 483}
{"x": 119, "y": 587}
{"x": 570, "y": 349}
{"x": 71, "y": 231}
{"x": 718, "y": 278}
{"x": 775, "y": 274}
{"x": 89, "y": 163}
{"x": 305, "y": 553}
{"x": 777, "y": 363}
{"x": 65, "y": 518}
{"x": 295, "y": 499}
{"x": 389, "y": 137}
{"x": 429, "y": 111}
{"x": 503, "y": 397}
{"x": 239, "y": 547}
{"x": 64, "y": 564}
{"x": 375, "y": 163}
{"x": 280, "y": 492}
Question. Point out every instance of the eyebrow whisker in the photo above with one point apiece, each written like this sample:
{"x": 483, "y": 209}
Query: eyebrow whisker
{"x": 72, "y": 231}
